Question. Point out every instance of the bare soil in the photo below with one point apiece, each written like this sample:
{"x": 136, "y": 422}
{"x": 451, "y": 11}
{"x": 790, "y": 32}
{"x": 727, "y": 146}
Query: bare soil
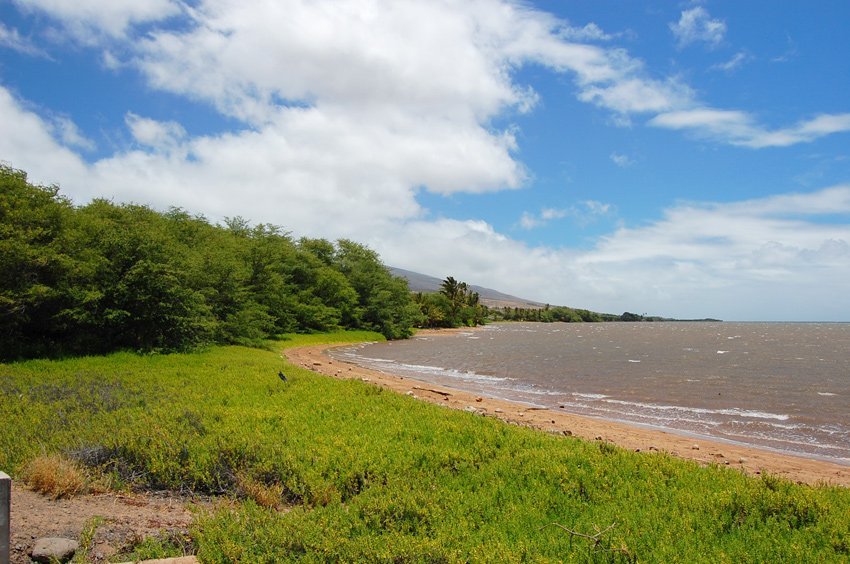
{"x": 127, "y": 518}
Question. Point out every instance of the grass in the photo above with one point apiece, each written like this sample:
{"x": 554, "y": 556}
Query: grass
{"x": 368, "y": 475}
{"x": 56, "y": 477}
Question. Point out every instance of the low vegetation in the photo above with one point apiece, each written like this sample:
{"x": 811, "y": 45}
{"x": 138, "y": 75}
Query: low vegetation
{"x": 320, "y": 469}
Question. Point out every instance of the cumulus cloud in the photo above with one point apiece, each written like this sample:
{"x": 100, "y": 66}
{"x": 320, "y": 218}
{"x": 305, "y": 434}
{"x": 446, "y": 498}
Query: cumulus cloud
{"x": 89, "y": 20}
{"x": 696, "y": 25}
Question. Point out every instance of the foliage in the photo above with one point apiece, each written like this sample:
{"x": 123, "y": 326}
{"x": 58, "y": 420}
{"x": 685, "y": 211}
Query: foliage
{"x": 105, "y": 277}
{"x": 374, "y": 476}
{"x": 455, "y": 305}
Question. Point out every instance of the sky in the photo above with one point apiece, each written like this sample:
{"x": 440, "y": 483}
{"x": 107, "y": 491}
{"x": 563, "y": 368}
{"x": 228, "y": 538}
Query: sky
{"x": 683, "y": 159}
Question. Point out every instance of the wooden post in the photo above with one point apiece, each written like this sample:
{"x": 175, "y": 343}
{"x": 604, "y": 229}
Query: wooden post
{"x": 5, "y": 516}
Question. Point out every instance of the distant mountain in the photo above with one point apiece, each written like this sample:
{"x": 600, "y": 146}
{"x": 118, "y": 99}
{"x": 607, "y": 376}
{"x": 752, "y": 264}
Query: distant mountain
{"x": 419, "y": 282}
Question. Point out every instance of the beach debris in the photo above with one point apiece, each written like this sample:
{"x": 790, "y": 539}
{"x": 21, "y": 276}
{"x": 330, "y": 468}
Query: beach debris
{"x": 479, "y": 399}
{"x": 497, "y": 410}
{"x": 317, "y": 363}
{"x": 695, "y": 447}
{"x": 597, "y": 539}
{"x": 432, "y": 390}
{"x": 281, "y": 375}
{"x": 742, "y": 460}
{"x": 598, "y": 438}
{"x": 567, "y": 433}
{"x": 54, "y": 549}
{"x": 365, "y": 379}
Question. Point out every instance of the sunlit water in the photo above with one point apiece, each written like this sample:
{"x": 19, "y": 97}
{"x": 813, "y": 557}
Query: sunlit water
{"x": 784, "y": 386}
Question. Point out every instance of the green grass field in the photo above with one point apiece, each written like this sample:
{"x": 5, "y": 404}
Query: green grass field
{"x": 342, "y": 470}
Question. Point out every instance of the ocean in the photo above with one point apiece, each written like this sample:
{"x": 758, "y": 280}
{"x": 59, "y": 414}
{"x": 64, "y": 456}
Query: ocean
{"x": 781, "y": 386}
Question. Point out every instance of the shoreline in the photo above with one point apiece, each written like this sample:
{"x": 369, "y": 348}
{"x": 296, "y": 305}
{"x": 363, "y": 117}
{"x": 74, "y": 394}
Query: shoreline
{"x": 749, "y": 459}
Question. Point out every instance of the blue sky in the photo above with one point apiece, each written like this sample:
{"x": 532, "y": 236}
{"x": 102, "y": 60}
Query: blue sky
{"x": 685, "y": 159}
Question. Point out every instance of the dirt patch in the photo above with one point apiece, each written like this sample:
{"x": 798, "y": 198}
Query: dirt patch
{"x": 127, "y": 518}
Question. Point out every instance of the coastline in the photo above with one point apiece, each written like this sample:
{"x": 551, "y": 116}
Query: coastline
{"x": 749, "y": 459}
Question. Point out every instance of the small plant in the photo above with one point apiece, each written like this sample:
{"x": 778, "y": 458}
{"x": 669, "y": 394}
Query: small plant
{"x": 56, "y": 476}
{"x": 87, "y": 539}
{"x": 166, "y": 544}
{"x": 265, "y": 495}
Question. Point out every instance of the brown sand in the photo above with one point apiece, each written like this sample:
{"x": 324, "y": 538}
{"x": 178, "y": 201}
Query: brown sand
{"x": 748, "y": 459}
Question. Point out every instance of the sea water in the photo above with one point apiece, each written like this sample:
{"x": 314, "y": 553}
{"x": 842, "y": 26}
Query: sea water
{"x": 782, "y": 386}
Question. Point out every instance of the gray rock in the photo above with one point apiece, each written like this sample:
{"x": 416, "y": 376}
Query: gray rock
{"x": 52, "y": 549}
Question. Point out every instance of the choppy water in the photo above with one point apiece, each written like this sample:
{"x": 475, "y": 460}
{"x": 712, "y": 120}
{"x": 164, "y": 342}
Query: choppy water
{"x": 784, "y": 386}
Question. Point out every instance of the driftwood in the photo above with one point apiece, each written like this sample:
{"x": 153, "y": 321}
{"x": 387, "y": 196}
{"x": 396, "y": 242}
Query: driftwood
{"x": 595, "y": 539}
{"x": 442, "y": 393}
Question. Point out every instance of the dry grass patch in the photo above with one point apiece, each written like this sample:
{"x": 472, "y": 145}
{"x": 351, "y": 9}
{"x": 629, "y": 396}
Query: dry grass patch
{"x": 57, "y": 477}
{"x": 265, "y": 495}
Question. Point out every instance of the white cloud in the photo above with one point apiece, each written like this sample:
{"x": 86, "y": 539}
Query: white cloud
{"x": 737, "y": 61}
{"x": 70, "y": 134}
{"x": 739, "y": 128}
{"x": 621, "y": 160}
{"x": 159, "y": 136}
{"x": 27, "y": 142}
{"x": 763, "y": 259}
{"x": 583, "y": 213}
{"x": 12, "y": 39}
{"x": 87, "y": 19}
{"x": 590, "y": 32}
{"x": 696, "y": 25}
{"x": 530, "y": 220}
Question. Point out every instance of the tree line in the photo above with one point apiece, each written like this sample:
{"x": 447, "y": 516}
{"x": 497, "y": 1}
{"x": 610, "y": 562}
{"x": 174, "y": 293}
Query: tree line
{"x": 103, "y": 276}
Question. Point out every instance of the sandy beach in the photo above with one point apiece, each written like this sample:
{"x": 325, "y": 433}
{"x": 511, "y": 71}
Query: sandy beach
{"x": 650, "y": 441}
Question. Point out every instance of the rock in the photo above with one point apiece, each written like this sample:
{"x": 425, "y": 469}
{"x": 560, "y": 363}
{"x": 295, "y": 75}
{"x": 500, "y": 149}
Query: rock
{"x": 695, "y": 447}
{"x": 479, "y": 399}
{"x": 567, "y": 433}
{"x": 52, "y": 549}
